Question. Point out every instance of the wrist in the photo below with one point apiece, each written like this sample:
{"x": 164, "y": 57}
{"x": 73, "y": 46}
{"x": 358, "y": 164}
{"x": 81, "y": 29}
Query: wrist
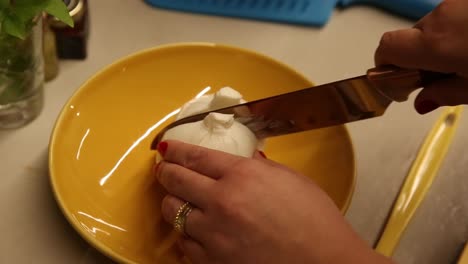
{"x": 355, "y": 250}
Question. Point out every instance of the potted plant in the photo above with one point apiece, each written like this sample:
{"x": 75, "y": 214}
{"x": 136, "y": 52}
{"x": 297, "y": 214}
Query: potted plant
{"x": 21, "y": 61}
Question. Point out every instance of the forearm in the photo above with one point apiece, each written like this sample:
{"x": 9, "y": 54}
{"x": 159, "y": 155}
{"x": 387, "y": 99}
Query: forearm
{"x": 350, "y": 248}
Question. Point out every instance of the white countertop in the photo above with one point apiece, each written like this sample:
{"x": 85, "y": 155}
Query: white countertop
{"x": 34, "y": 231}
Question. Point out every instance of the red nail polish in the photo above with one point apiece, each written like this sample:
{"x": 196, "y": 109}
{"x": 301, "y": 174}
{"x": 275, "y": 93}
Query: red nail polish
{"x": 262, "y": 153}
{"x": 426, "y": 106}
{"x": 162, "y": 148}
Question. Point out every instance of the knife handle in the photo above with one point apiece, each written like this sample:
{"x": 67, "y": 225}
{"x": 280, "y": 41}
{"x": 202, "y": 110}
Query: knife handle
{"x": 398, "y": 83}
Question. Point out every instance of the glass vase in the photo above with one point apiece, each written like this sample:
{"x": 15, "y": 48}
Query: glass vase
{"x": 21, "y": 77}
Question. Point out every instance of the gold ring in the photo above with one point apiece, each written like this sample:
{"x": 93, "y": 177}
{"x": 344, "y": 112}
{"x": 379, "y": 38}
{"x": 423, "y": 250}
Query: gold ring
{"x": 181, "y": 217}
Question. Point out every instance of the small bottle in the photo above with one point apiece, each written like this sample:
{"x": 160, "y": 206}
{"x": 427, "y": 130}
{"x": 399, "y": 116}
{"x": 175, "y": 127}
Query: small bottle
{"x": 72, "y": 42}
{"x": 51, "y": 64}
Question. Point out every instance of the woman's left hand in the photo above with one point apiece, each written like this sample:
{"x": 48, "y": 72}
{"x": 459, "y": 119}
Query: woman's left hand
{"x": 253, "y": 211}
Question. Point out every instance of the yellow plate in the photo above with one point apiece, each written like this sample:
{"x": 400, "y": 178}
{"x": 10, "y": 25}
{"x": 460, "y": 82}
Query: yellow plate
{"x": 100, "y": 161}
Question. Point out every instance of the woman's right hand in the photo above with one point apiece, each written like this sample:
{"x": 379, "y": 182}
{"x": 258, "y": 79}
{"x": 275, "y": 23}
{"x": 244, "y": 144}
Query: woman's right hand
{"x": 438, "y": 42}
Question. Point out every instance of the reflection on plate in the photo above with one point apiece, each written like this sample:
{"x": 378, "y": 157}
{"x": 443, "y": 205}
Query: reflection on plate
{"x": 100, "y": 161}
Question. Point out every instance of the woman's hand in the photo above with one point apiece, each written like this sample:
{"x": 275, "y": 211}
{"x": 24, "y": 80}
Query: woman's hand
{"x": 253, "y": 211}
{"x": 438, "y": 42}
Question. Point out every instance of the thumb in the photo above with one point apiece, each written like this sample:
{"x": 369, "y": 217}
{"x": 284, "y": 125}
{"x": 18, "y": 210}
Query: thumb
{"x": 448, "y": 92}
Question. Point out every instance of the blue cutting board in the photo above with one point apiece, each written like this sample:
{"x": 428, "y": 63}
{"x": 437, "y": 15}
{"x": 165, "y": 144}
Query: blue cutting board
{"x": 304, "y": 12}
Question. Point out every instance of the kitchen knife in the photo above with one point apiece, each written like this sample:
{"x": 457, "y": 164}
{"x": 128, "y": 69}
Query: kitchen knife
{"x": 331, "y": 104}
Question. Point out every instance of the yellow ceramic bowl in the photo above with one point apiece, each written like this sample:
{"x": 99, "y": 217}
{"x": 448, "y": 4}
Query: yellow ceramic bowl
{"x": 100, "y": 157}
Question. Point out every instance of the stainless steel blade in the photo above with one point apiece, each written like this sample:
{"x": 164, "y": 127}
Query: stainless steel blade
{"x": 316, "y": 107}
{"x": 325, "y": 105}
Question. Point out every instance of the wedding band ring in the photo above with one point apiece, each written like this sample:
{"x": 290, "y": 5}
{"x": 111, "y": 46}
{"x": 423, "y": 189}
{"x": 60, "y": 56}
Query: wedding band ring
{"x": 181, "y": 217}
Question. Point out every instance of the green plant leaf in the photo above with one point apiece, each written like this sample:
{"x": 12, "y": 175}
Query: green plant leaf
{"x": 4, "y": 3}
{"x": 26, "y": 12}
{"x": 16, "y": 18}
{"x": 58, "y": 9}
{"x": 13, "y": 25}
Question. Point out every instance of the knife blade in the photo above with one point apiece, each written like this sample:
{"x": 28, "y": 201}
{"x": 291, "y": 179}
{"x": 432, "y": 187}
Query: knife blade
{"x": 326, "y": 105}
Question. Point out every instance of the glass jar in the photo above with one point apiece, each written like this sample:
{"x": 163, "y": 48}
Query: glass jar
{"x": 21, "y": 77}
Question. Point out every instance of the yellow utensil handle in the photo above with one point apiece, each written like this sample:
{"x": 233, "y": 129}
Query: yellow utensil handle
{"x": 419, "y": 179}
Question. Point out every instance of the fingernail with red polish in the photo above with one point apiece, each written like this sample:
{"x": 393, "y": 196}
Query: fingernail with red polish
{"x": 426, "y": 106}
{"x": 262, "y": 153}
{"x": 162, "y": 148}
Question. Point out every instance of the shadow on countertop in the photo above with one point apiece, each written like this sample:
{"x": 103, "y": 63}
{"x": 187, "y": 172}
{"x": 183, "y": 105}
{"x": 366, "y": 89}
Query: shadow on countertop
{"x": 36, "y": 225}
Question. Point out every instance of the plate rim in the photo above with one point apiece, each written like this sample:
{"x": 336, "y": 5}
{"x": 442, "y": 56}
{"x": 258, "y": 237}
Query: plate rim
{"x": 102, "y": 248}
